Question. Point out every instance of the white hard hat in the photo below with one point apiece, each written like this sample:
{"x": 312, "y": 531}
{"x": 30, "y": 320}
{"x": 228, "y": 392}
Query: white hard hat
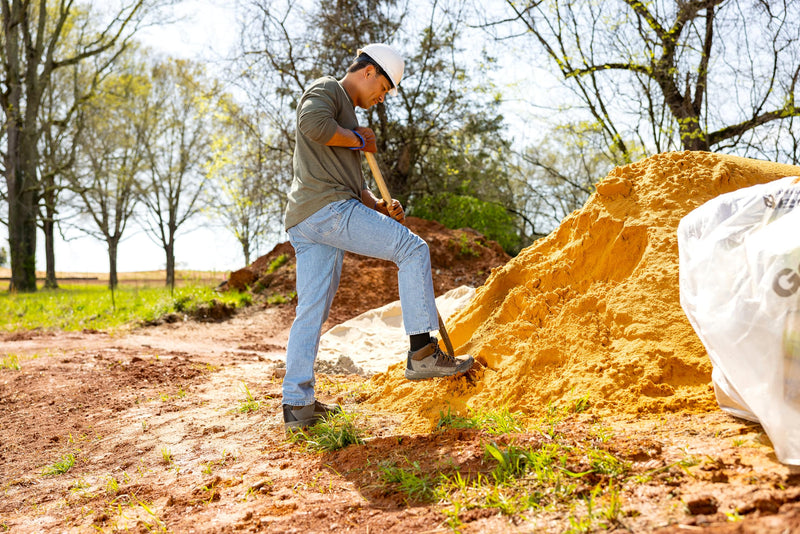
{"x": 389, "y": 60}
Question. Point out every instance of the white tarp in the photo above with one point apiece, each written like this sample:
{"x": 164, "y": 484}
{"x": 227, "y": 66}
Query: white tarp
{"x": 374, "y": 340}
{"x": 740, "y": 288}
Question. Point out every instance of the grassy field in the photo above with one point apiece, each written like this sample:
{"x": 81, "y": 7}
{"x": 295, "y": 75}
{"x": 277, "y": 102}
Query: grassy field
{"x": 91, "y": 305}
{"x": 135, "y": 279}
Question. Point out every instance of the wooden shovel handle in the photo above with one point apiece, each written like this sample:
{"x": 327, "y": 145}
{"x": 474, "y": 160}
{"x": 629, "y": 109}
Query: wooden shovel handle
{"x": 376, "y": 173}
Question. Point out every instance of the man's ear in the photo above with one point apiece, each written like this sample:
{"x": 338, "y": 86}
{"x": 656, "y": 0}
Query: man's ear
{"x": 369, "y": 71}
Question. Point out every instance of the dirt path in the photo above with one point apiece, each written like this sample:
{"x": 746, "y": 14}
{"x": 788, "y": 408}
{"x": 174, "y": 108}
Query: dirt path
{"x": 155, "y": 421}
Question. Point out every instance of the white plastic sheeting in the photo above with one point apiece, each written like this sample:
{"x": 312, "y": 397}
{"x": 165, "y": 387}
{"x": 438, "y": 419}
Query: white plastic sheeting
{"x": 740, "y": 288}
{"x": 374, "y": 340}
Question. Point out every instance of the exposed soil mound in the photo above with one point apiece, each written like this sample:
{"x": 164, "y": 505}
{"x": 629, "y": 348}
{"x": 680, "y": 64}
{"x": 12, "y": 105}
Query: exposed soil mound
{"x": 458, "y": 257}
{"x": 593, "y": 309}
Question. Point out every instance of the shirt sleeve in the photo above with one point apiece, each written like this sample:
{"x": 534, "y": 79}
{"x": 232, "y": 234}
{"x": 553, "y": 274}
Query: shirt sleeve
{"x": 315, "y": 119}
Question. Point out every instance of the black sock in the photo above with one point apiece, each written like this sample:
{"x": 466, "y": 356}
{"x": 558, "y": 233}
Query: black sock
{"x": 419, "y": 340}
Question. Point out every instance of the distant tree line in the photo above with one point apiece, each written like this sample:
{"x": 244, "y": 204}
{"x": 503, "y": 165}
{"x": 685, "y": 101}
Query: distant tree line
{"x": 99, "y": 133}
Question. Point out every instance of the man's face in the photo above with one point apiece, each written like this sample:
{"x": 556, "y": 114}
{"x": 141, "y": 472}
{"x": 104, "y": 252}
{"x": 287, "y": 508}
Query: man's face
{"x": 375, "y": 87}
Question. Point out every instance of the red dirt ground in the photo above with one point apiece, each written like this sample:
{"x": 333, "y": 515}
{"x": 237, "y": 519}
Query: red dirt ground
{"x": 117, "y": 402}
{"x": 153, "y": 417}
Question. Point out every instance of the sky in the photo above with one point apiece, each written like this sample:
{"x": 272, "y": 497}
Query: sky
{"x": 204, "y": 29}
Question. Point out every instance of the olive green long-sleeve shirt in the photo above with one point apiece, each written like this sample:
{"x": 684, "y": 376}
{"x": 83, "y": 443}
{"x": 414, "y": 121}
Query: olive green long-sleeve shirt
{"x": 322, "y": 174}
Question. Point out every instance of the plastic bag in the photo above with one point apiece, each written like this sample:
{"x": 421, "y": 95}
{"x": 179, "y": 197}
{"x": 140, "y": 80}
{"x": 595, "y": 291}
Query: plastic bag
{"x": 740, "y": 288}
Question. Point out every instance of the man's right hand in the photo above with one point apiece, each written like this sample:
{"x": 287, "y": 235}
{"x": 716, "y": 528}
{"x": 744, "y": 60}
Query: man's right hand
{"x": 369, "y": 139}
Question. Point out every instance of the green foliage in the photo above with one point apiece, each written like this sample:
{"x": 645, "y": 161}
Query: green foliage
{"x": 605, "y": 463}
{"x": 511, "y": 461}
{"x": 494, "y": 422}
{"x": 331, "y": 434}
{"x": 91, "y": 307}
{"x": 277, "y": 298}
{"x": 60, "y": 466}
{"x": 3, "y": 256}
{"x": 580, "y": 404}
{"x": 553, "y": 417}
{"x": 166, "y": 455}
{"x": 602, "y": 512}
{"x": 277, "y": 263}
{"x": 466, "y": 247}
{"x": 465, "y": 211}
{"x": 249, "y": 404}
{"x": 413, "y": 482}
{"x": 10, "y": 361}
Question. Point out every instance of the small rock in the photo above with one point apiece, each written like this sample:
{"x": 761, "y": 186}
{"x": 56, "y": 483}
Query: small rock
{"x": 702, "y": 505}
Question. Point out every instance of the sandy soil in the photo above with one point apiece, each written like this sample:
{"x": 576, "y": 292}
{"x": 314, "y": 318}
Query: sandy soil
{"x": 153, "y": 420}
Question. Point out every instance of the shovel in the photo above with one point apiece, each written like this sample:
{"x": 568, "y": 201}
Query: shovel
{"x": 387, "y": 197}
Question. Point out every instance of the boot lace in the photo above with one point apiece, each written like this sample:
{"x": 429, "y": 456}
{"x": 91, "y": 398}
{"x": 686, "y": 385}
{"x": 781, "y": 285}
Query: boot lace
{"x": 445, "y": 357}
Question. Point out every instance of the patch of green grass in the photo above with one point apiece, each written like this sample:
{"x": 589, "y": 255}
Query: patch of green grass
{"x": 277, "y": 298}
{"x": 250, "y": 404}
{"x": 553, "y": 416}
{"x": 331, "y": 434}
{"x": 112, "y": 485}
{"x": 581, "y": 404}
{"x": 166, "y": 456}
{"x": 465, "y": 247}
{"x": 277, "y": 263}
{"x": 60, "y": 466}
{"x": 603, "y": 509}
{"x": 412, "y": 481}
{"x": 512, "y": 462}
{"x": 10, "y": 361}
{"x": 153, "y": 523}
{"x": 605, "y": 463}
{"x": 91, "y": 307}
{"x": 494, "y": 422}
{"x": 208, "y": 467}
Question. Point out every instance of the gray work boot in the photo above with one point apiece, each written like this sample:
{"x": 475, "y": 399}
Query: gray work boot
{"x": 306, "y": 416}
{"x": 431, "y": 362}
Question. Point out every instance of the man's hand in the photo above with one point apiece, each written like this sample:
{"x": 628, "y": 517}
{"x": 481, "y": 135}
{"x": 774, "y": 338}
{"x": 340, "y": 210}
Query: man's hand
{"x": 369, "y": 139}
{"x": 395, "y": 211}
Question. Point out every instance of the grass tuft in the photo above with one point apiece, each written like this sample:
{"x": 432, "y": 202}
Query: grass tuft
{"x": 331, "y": 434}
{"x": 494, "y": 422}
{"x": 277, "y": 263}
{"x": 10, "y": 361}
{"x": 249, "y": 404}
{"x": 413, "y": 482}
{"x": 60, "y": 466}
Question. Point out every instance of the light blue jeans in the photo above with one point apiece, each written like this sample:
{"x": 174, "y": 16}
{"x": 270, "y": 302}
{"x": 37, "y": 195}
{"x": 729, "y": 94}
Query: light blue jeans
{"x": 319, "y": 243}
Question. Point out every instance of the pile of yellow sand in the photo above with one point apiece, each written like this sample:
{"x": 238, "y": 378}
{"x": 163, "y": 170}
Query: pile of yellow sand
{"x": 591, "y": 309}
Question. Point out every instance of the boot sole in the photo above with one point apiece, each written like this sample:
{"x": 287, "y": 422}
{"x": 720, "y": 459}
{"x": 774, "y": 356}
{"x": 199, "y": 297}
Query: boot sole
{"x": 305, "y": 423}
{"x": 301, "y": 425}
{"x": 425, "y": 375}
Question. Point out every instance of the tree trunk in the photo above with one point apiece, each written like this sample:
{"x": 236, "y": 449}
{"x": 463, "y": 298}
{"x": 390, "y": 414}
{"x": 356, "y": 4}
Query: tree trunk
{"x": 245, "y": 249}
{"x": 692, "y": 135}
{"x": 169, "y": 249}
{"x": 20, "y": 158}
{"x": 49, "y": 226}
{"x": 22, "y": 208}
{"x": 112, "y": 264}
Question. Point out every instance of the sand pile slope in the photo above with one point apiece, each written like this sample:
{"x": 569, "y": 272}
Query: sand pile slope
{"x": 592, "y": 309}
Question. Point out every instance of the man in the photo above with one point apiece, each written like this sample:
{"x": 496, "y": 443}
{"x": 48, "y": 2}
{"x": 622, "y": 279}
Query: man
{"x": 330, "y": 211}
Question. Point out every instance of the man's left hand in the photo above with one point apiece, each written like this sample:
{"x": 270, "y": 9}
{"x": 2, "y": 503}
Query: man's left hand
{"x": 369, "y": 139}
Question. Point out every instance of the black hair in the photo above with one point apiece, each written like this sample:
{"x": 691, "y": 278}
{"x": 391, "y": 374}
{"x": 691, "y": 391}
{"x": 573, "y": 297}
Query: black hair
{"x": 362, "y": 61}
